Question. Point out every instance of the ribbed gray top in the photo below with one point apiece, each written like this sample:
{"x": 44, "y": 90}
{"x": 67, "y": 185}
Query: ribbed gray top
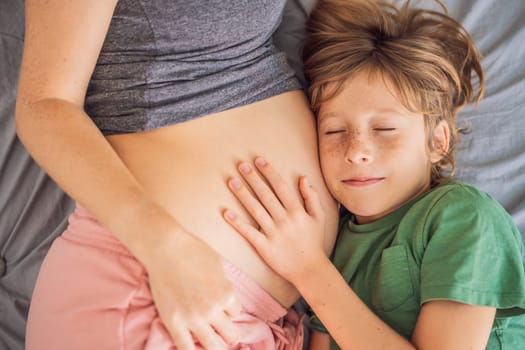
{"x": 165, "y": 62}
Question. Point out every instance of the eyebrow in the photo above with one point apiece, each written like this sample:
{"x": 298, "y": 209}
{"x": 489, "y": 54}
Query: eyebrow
{"x": 382, "y": 111}
{"x": 392, "y": 111}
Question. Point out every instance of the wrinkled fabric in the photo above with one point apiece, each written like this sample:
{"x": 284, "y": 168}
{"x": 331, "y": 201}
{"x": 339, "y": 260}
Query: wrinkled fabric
{"x": 92, "y": 293}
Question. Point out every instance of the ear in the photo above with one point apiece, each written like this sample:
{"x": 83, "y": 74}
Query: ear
{"x": 440, "y": 141}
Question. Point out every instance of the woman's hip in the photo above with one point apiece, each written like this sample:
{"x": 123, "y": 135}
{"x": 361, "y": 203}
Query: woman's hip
{"x": 92, "y": 293}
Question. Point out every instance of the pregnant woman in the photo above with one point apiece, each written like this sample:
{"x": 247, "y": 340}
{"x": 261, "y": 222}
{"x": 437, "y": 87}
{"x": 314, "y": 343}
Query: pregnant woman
{"x": 140, "y": 111}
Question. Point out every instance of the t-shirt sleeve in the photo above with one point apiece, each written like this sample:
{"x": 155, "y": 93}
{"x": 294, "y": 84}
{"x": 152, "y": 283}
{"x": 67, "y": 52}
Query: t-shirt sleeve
{"x": 473, "y": 253}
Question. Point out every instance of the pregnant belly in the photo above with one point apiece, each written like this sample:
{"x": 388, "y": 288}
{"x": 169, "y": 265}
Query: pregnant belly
{"x": 185, "y": 167}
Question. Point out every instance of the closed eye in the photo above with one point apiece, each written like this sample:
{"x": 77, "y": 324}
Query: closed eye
{"x": 331, "y": 132}
{"x": 385, "y": 129}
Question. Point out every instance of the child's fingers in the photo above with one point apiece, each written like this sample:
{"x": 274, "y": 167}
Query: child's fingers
{"x": 311, "y": 199}
{"x": 251, "y": 204}
{"x": 261, "y": 189}
{"x": 256, "y": 238}
{"x": 279, "y": 186}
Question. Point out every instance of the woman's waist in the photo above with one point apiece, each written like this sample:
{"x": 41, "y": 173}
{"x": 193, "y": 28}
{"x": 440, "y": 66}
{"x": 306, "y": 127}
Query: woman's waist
{"x": 84, "y": 229}
{"x": 185, "y": 168}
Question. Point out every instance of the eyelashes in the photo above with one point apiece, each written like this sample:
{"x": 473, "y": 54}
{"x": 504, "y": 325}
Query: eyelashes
{"x": 380, "y": 130}
{"x": 332, "y": 132}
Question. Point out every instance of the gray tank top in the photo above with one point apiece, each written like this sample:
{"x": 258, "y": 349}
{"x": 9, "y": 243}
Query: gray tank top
{"x": 169, "y": 61}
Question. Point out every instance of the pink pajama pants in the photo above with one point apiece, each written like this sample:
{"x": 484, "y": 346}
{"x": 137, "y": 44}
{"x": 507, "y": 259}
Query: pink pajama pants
{"x": 92, "y": 294}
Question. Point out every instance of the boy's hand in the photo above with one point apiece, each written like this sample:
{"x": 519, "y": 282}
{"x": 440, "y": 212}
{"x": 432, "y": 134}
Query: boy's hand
{"x": 290, "y": 233}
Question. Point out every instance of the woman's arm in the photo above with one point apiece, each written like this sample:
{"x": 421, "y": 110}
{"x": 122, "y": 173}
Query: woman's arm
{"x": 290, "y": 241}
{"x": 63, "y": 40}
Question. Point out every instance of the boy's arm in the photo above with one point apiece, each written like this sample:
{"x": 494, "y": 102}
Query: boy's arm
{"x": 289, "y": 239}
{"x": 350, "y": 322}
{"x": 441, "y": 324}
{"x": 319, "y": 341}
{"x": 445, "y": 324}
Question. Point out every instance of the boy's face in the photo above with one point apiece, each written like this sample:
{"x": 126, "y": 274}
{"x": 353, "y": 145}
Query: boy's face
{"x": 373, "y": 150}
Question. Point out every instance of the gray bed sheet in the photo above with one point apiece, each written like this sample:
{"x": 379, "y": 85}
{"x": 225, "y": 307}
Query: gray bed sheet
{"x": 33, "y": 210}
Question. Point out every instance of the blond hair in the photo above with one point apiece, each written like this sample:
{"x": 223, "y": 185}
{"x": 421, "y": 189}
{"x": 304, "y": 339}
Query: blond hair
{"x": 428, "y": 57}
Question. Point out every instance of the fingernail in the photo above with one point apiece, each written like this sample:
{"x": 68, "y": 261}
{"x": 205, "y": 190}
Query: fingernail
{"x": 306, "y": 182}
{"x": 260, "y": 161}
{"x": 235, "y": 183}
{"x": 230, "y": 214}
{"x": 245, "y": 168}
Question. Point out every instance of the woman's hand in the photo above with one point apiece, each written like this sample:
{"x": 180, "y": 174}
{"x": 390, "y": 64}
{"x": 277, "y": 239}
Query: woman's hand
{"x": 195, "y": 300}
{"x": 290, "y": 233}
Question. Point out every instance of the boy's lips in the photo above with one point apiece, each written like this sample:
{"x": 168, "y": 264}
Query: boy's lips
{"x": 362, "y": 181}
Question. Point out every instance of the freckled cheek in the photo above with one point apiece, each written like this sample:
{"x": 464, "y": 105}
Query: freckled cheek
{"x": 330, "y": 168}
{"x": 390, "y": 146}
{"x": 332, "y": 161}
{"x": 331, "y": 151}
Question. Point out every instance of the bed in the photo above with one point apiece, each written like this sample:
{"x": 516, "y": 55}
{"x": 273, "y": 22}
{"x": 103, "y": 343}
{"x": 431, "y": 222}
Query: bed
{"x": 33, "y": 210}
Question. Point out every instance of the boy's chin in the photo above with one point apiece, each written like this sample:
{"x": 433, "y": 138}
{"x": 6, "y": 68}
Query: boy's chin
{"x": 368, "y": 215}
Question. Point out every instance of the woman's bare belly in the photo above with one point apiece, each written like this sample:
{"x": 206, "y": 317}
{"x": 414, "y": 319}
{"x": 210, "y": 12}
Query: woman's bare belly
{"x": 185, "y": 168}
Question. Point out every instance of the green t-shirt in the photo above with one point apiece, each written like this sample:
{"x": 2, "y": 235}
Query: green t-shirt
{"x": 454, "y": 243}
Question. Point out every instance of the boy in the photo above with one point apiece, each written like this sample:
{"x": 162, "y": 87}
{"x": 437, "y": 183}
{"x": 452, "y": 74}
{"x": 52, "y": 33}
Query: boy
{"x": 422, "y": 261}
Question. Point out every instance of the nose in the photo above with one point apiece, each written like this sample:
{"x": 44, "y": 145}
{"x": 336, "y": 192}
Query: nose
{"x": 358, "y": 151}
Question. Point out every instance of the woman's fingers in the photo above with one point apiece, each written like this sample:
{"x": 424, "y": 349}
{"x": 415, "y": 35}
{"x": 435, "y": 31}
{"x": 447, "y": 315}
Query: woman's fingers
{"x": 182, "y": 339}
{"x": 208, "y": 337}
{"x": 219, "y": 332}
{"x": 202, "y": 309}
{"x": 230, "y": 334}
{"x": 232, "y": 307}
{"x": 213, "y": 329}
